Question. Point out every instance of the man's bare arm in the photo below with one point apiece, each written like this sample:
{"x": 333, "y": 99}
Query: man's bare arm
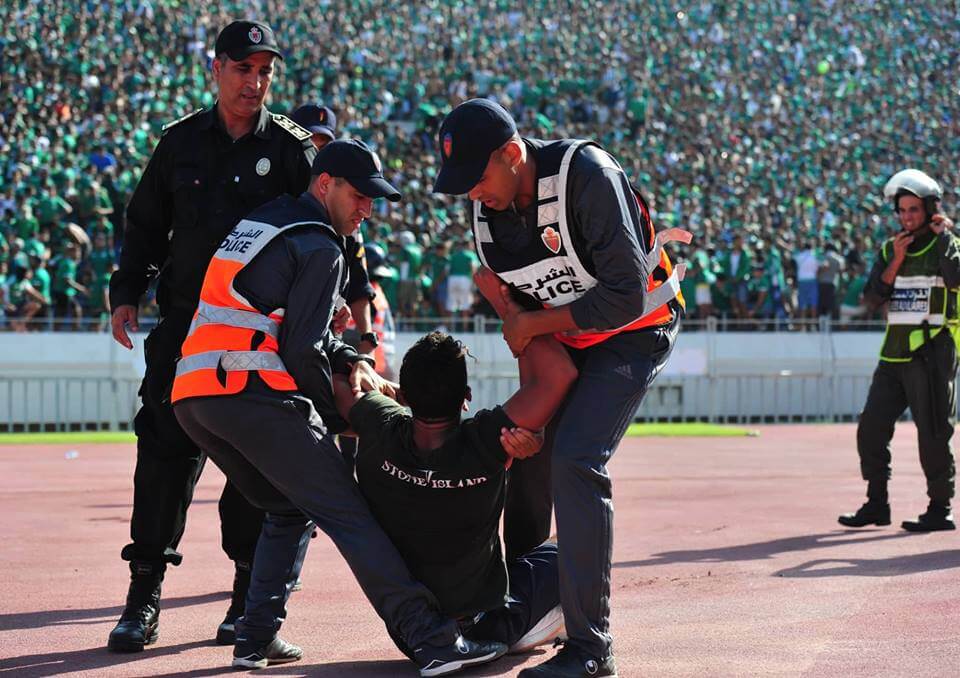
{"x": 546, "y": 369}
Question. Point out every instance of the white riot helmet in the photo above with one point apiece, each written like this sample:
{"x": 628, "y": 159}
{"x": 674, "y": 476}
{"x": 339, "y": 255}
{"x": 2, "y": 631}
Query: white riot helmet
{"x": 917, "y": 183}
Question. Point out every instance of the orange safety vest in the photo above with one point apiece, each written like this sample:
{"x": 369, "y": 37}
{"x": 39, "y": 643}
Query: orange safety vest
{"x": 662, "y": 276}
{"x": 228, "y": 337}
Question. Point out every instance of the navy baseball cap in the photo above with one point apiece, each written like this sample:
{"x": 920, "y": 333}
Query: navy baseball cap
{"x": 317, "y": 119}
{"x": 351, "y": 159}
{"x": 240, "y": 39}
{"x": 468, "y": 135}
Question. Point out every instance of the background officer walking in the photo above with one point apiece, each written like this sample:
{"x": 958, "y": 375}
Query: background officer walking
{"x": 918, "y": 273}
{"x": 208, "y": 170}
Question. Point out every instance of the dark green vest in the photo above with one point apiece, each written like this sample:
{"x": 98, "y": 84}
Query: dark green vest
{"x": 920, "y": 307}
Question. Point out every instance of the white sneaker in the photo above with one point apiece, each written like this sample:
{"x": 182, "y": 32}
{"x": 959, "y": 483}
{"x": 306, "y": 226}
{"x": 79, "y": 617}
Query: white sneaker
{"x": 549, "y": 628}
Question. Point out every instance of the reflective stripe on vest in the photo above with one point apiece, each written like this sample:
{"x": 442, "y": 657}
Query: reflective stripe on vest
{"x": 234, "y": 317}
{"x": 228, "y": 337}
{"x": 560, "y": 279}
{"x": 231, "y": 361}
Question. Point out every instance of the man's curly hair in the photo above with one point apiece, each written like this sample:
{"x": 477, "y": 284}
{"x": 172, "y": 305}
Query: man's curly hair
{"x": 433, "y": 376}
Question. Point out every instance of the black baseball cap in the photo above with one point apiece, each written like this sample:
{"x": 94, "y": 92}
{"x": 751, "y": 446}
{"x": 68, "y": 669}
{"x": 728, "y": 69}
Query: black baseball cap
{"x": 468, "y": 135}
{"x": 351, "y": 159}
{"x": 318, "y": 119}
{"x": 242, "y": 38}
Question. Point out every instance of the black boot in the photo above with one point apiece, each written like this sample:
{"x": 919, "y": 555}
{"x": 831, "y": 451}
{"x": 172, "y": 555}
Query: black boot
{"x": 572, "y": 662}
{"x": 938, "y": 517}
{"x": 871, "y": 513}
{"x": 226, "y": 632}
{"x": 138, "y": 625}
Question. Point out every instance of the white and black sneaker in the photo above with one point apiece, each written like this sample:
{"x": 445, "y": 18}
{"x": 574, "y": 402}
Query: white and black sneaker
{"x": 549, "y": 628}
{"x": 249, "y": 655}
{"x": 441, "y": 661}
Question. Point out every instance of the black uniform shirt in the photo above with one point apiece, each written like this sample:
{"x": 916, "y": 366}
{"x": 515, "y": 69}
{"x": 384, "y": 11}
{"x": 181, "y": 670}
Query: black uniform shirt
{"x": 440, "y": 508}
{"x": 198, "y": 184}
{"x": 360, "y": 286}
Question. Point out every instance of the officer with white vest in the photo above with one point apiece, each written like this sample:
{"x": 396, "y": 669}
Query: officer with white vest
{"x": 253, "y": 389}
{"x": 917, "y": 273}
{"x": 560, "y": 223}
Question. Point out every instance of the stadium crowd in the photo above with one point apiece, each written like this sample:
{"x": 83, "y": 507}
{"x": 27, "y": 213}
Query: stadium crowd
{"x": 766, "y": 128}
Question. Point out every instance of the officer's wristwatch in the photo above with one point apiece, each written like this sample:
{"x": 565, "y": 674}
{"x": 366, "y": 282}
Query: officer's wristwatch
{"x": 371, "y": 338}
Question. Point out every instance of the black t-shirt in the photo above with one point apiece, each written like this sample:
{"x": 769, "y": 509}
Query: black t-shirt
{"x": 440, "y": 508}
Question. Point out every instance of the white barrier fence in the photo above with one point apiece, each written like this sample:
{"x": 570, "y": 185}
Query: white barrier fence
{"x": 64, "y": 381}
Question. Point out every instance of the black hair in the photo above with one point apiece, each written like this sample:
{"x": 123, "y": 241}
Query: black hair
{"x": 433, "y": 376}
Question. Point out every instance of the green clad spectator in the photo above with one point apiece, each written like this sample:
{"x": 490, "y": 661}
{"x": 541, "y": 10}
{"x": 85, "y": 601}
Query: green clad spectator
{"x": 704, "y": 279}
{"x": 437, "y": 263}
{"x": 27, "y": 301}
{"x": 51, "y": 208}
{"x": 26, "y": 225}
{"x": 409, "y": 263}
{"x": 41, "y": 279}
{"x": 853, "y": 306}
{"x": 720, "y": 294}
{"x": 463, "y": 264}
{"x": 758, "y": 302}
{"x": 736, "y": 264}
{"x": 390, "y": 283}
{"x": 65, "y": 286}
{"x": 101, "y": 263}
{"x": 93, "y": 201}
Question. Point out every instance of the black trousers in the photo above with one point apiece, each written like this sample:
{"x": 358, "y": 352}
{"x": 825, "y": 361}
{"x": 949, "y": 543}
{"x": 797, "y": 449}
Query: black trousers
{"x": 534, "y": 590}
{"x": 280, "y": 456}
{"x": 169, "y": 465}
{"x": 925, "y": 385}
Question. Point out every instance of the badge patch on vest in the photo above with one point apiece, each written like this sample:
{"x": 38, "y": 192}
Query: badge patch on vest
{"x": 551, "y": 239}
{"x": 263, "y": 166}
{"x": 910, "y": 300}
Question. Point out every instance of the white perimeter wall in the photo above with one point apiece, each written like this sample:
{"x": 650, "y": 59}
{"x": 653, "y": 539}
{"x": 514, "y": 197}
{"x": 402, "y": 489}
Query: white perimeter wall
{"x": 72, "y": 377}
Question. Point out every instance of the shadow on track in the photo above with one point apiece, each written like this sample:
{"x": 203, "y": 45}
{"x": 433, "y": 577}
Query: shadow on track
{"x": 57, "y": 663}
{"x": 763, "y": 550}
{"x": 43, "y": 618}
{"x": 881, "y": 567}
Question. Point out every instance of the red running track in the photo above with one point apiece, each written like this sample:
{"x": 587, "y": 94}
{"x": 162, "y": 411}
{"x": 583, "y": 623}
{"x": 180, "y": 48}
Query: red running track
{"x": 728, "y": 562}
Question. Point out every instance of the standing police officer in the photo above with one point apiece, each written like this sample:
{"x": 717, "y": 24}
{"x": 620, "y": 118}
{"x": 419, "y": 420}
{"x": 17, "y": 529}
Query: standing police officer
{"x": 208, "y": 170}
{"x": 560, "y": 222}
{"x": 918, "y": 273}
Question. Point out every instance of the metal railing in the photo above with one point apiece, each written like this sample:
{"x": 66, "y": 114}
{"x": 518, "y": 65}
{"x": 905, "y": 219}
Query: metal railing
{"x": 30, "y": 403}
{"x": 485, "y": 325}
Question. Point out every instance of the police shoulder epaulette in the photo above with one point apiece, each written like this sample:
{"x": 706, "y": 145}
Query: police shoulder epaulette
{"x": 166, "y": 128}
{"x": 290, "y": 126}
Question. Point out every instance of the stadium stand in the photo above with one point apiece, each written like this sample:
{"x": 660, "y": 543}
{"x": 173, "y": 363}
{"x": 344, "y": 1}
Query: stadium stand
{"x": 767, "y": 128}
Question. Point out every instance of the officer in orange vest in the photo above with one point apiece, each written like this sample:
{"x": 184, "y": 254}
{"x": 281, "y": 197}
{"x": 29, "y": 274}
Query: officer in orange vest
{"x": 560, "y": 223}
{"x": 254, "y": 391}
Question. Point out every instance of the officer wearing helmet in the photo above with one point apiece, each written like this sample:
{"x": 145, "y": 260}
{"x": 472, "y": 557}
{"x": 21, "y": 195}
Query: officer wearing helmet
{"x": 917, "y": 273}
